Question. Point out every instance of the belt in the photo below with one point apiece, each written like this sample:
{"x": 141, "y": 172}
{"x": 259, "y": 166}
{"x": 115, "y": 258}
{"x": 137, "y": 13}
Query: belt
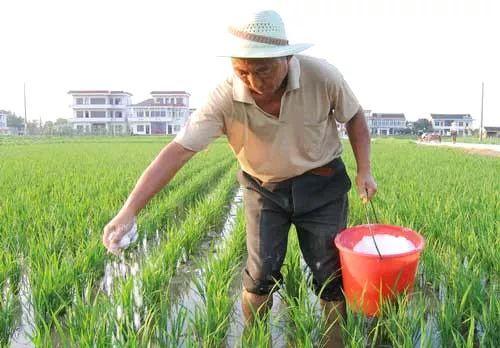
{"x": 322, "y": 171}
{"x": 326, "y": 170}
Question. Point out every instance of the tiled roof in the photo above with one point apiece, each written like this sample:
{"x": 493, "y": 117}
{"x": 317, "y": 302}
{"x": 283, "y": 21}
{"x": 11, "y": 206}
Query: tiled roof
{"x": 170, "y": 92}
{"x": 450, "y": 116}
{"x": 381, "y": 115}
{"x": 151, "y": 102}
{"x": 492, "y": 128}
{"x": 98, "y": 91}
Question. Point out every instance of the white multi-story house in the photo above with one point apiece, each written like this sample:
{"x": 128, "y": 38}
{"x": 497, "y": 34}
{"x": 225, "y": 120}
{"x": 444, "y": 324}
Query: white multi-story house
{"x": 442, "y": 123}
{"x": 100, "y": 111}
{"x": 385, "y": 124}
{"x": 165, "y": 113}
{"x": 112, "y": 112}
{"x": 3, "y": 123}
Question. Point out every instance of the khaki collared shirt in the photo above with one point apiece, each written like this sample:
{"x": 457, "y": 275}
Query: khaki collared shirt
{"x": 274, "y": 149}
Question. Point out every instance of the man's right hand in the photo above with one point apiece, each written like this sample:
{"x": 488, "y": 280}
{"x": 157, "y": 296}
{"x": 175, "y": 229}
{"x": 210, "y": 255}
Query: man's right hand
{"x": 114, "y": 231}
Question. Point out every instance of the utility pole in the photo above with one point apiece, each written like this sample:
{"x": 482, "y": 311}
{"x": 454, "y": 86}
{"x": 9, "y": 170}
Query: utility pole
{"x": 482, "y": 100}
{"x": 25, "y": 118}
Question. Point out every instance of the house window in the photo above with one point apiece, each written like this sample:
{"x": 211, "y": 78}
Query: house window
{"x": 162, "y": 113}
{"x": 147, "y": 113}
{"x": 140, "y": 113}
{"x": 118, "y": 114}
{"x": 460, "y": 124}
{"x": 436, "y": 123}
{"x": 97, "y": 101}
{"x": 79, "y": 128}
{"x": 118, "y": 101}
{"x": 159, "y": 100}
{"x": 79, "y": 101}
{"x": 87, "y": 114}
{"x": 79, "y": 114}
{"x": 118, "y": 128}
{"x": 98, "y": 114}
{"x": 140, "y": 128}
{"x": 110, "y": 114}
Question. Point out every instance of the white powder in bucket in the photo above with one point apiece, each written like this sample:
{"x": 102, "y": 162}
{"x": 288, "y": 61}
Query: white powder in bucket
{"x": 387, "y": 244}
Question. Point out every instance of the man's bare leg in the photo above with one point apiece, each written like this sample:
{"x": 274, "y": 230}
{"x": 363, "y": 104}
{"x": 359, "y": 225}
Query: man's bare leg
{"x": 254, "y": 304}
{"x": 333, "y": 311}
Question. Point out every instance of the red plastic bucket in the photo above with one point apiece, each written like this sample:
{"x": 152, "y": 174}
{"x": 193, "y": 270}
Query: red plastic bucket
{"x": 368, "y": 279}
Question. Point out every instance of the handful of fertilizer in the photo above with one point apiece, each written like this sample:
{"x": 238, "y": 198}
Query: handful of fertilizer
{"x": 128, "y": 238}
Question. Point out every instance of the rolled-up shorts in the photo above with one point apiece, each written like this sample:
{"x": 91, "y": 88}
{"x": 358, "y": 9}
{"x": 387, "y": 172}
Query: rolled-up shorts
{"x": 317, "y": 204}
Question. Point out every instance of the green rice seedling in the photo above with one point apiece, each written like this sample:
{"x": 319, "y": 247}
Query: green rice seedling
{"x": 306, "y": 326}
{"x": 9, "y": 304}
{"x": 208, "y": 213}
{"x": 62, "y": 254}
{"x": 259, "y": 333}
{"x": 56, "y": 194}
{"x": 158, "y": 269}
{"x": 211, "y": 317}
{"x": 401, "y": 320}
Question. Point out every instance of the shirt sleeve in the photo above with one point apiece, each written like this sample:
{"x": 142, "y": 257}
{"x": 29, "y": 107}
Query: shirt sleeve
{"x": 342, "y": 99}
{"x": 207, "y": 123}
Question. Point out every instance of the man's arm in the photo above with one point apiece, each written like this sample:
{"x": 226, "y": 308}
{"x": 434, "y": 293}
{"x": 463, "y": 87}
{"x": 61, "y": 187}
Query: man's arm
{"x": 159, "y": 173}
{"x": 359, "y": 136}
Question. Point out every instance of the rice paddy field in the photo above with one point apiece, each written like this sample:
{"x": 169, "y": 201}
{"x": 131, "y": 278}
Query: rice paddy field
{"x": 179, "y": 285}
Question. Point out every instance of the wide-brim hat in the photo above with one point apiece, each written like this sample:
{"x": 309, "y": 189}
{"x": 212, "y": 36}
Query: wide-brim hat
{"x": 261, "y": 35}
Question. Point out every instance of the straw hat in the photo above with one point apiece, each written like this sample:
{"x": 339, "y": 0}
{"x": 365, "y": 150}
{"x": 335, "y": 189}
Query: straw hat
{"x": 261, "y": 35}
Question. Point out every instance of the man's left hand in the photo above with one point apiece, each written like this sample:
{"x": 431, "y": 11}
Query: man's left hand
{"x": 366, "y": 186}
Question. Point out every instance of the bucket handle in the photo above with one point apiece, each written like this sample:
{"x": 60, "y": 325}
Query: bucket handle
{"x": 369, "y": 224}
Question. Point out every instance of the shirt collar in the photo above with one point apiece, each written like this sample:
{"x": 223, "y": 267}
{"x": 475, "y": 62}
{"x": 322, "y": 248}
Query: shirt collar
{"x": 242, "y": 94}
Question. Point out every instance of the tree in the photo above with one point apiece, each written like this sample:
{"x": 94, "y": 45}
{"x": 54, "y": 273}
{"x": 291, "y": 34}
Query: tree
{"x": 13, "y": 120}
{"x": 422, "y": 125}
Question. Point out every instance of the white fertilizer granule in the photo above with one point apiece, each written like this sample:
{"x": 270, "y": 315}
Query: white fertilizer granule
{"x": 387, "y": 244}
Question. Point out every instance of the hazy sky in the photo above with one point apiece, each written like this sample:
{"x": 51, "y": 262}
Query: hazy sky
{"x": 411, "y": 56}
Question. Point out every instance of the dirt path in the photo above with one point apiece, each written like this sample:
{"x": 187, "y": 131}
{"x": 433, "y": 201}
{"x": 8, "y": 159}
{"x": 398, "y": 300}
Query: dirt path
{"x": 479, "y": 149}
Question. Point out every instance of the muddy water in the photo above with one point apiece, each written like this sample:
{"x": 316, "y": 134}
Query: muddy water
{"x": 182, "y": 286}
{"x": 23, "y": 334}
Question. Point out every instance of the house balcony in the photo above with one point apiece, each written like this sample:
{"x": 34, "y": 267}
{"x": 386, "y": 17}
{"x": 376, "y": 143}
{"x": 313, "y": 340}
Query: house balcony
{"x": 98, "y": 106}
{"x": 150, "y": 119}
{"x": 97, "y": 119}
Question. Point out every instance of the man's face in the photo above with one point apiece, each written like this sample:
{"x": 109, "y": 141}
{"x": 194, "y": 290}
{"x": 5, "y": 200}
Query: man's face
{"x": 262, "y": 76}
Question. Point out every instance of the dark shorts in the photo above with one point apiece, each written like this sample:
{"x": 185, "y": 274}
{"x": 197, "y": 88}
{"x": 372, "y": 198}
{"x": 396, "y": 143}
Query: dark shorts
{"x": 317, "y": 205}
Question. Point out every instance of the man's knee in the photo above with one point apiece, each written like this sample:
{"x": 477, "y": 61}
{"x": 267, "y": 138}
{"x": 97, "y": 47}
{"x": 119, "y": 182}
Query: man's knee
{"x": 261, "y": 284}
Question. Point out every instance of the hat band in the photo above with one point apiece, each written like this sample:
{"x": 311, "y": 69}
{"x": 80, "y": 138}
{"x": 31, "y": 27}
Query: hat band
{"x": 258, "y": 38}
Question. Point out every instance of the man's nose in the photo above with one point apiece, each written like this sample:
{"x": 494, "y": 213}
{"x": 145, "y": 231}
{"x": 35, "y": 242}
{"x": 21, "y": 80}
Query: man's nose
{"x": 255, "y": 82}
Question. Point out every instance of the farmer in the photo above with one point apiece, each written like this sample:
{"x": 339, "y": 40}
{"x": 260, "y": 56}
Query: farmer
{"x": 279, "y": 112}
{"x": 453, "y": 131}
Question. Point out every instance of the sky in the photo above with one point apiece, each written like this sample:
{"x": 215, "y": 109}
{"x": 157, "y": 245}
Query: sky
{"x": 411, "y": 56}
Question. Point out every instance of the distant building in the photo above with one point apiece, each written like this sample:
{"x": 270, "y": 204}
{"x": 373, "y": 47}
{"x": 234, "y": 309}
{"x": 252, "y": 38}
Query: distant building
{"x": 442, "y": 123}
{"x": 385, "y": 124}
{"x": 112, "y": 112}
{"x": 3, "y": 123}
{"x": 100, "y": 111}
{"x": 165, "y": 113}
{"x": 492, "y": 132}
